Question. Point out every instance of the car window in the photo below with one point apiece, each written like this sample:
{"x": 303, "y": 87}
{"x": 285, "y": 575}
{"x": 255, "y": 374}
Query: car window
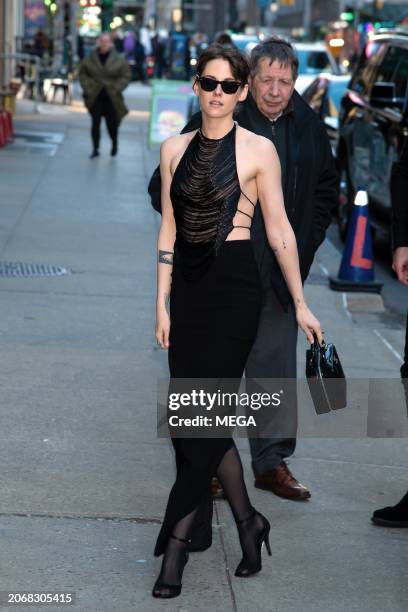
{"x": 401, "y": 75}
{"x": 386, "y": 70}
{"x": 313, "y": 62}
{"x": 366, "y": 64}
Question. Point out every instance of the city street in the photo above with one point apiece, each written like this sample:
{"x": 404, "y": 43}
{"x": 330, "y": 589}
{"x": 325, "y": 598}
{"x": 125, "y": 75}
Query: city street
{"x": 84, "y": 477}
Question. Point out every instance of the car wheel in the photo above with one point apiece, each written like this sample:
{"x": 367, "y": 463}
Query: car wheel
{"x": 346, "y": 199}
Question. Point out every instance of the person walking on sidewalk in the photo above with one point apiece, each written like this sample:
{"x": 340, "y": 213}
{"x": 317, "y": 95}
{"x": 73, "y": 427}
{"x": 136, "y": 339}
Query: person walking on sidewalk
{"x": 103, "y": 76}
{"x": 211, "y": 179}
{"x": 397, "y": 516}
{"x": 159, "y": 54}
{"x": 276, "y": 111}
{"x": 139, "y": 54}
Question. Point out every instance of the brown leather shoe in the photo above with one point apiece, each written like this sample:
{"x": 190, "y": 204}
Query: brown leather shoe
{"x": 282, "y": 482}
{"x": 217, "y": 492}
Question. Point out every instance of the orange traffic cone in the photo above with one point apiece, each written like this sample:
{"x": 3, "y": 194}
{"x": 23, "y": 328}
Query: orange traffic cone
{"x": 356, "y": 271}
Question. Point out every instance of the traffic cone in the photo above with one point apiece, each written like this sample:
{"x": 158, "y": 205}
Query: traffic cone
{"x": 356, "y": 271}
{"x": 9, "y": 121}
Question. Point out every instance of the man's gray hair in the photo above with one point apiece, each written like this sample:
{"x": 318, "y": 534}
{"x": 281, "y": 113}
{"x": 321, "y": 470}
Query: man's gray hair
{"x": 276, "y": 50}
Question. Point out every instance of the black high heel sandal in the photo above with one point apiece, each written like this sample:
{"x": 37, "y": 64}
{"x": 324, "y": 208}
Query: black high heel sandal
{"x": 161, "y": 590}
{"x": 248, "y": 567}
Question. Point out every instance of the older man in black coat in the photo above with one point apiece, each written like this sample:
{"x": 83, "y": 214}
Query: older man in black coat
{"x": 309, "y": 180}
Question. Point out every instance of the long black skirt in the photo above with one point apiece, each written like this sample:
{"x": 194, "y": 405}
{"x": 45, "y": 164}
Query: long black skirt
{"x": 213, "y": 326}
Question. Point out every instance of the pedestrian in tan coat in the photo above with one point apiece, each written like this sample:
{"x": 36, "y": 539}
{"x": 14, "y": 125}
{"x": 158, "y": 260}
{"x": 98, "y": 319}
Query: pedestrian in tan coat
{"x": 103, "y": 76}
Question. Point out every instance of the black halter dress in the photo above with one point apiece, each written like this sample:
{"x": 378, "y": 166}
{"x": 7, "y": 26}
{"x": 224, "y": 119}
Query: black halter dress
{"x": 214, "y": 303}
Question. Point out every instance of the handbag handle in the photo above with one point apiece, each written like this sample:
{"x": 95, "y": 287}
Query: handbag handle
{"x": 316, "y": 344}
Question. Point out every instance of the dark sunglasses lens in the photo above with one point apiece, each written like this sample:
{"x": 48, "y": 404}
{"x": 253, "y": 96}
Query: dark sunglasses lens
{"x": 208, "y": 84}
{"x": 229, "y": 87}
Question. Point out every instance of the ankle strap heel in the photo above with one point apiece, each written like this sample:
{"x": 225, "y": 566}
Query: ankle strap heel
{"x": 161, "y": 589}
{"x": 249, "y": 518}
{"x": 257, "y": 534}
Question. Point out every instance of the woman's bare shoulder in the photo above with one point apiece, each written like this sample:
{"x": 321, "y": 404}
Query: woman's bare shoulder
{"x": 174, "y": 144}
{"x": 260, "y": 143}
{"x": 257, "y": 149}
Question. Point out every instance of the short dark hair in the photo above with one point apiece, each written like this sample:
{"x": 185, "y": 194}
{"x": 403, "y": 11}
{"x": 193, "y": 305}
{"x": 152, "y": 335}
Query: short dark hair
{"x": 276, "y": 50}
{"x": 237, "y": 61}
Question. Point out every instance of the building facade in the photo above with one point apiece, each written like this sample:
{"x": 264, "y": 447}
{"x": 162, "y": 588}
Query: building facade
{"x": 11, "y": 27}
{"x": 208, "y": 16}
{"x": 288, "y": 14}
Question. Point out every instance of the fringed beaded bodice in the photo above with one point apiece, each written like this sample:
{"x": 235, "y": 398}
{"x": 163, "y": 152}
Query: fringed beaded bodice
{"x": 204, "y": 192}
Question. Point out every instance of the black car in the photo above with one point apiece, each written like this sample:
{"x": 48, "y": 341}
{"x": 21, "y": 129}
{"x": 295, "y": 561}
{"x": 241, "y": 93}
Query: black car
{"x": 373, "y": 126}
{"x": 324, "y": 95}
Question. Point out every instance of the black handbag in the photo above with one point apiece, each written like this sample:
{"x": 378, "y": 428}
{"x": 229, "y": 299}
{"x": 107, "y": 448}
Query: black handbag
{"x": 325, "y": 377}
{"x": 154, "y": 190}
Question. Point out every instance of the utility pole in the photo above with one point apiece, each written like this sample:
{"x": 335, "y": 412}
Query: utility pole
{"x": 307, "y": 17}
{"x": 232, "y": 13}
{"x": 106, "y": 15}
{"x": 358, "y": 6}
{"x": 264, "y": 5}
{"x": 3, "y": 49}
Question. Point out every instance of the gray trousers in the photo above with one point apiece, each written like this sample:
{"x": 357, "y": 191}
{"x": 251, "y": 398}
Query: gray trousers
{"x": 273, "y": 355}
{"x": 404, "y": 367}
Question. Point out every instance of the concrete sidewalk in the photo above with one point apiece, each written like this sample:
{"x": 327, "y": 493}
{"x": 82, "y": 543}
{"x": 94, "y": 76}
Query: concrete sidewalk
{"x": 84, "y": 478}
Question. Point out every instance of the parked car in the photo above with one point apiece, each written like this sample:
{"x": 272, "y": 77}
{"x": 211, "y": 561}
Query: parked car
{"x": 373, "y": 126}
{"x": 245, "y": 42}
{"x": 313, "y": 59}
{"x": 324, "y": 95}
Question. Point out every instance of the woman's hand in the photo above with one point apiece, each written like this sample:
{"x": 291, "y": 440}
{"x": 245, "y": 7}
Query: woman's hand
{"x": 163, "y": 329}
{"x": 308, "y": 322}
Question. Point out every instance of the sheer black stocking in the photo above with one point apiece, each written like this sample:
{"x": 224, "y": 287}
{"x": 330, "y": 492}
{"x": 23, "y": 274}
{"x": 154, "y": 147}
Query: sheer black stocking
{"x": 231, "y": 476}
{"x": 253, "y": 529}
{"x": 252, "y": 526}
{"x": 175, "y": 558}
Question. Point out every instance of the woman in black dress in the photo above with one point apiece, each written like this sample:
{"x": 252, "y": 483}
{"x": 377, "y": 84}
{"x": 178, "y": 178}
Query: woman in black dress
{"x": 209, "y": 293}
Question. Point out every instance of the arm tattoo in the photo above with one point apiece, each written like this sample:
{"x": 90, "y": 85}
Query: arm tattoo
{"x": 166, "y": 257}
{"x": 167, "y": 302}
{"x": 277, "y": 250}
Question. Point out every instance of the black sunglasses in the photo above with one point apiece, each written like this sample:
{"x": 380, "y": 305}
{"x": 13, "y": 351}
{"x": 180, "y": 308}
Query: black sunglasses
{"x": 209, "y": 84}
